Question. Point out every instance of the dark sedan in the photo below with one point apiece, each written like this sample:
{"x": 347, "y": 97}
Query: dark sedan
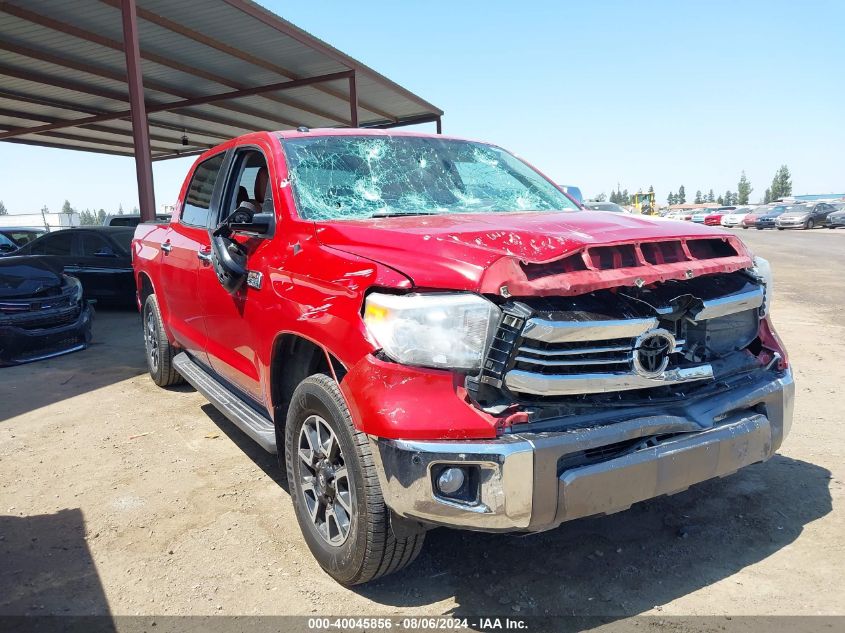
{"x": 42, "y": 313}
{"x": 98, "y": 256}
{"x": 837, "y": 218}
{"x": 767, "y": 220}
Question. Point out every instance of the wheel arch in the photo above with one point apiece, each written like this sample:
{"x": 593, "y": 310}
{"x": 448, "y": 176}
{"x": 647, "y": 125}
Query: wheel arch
{"x": 294, "y": 357}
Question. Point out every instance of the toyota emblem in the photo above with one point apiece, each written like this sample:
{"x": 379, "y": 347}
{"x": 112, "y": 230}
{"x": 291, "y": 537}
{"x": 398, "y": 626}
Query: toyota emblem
{"x": 652, "y": 351}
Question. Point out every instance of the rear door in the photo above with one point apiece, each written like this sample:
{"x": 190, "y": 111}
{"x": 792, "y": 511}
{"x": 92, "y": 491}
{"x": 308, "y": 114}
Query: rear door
{"x": 104, "y": 268}
{"x": 186, "y": 243}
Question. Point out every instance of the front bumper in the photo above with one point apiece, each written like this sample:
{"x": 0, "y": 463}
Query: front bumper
{"x": 20, "y": 344}
{"x": 791, "y": 224}
{"x": 526, "y": 481}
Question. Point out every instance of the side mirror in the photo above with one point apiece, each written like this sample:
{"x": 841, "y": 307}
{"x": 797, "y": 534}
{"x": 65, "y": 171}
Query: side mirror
{"x": 261, "y": 224}
{"x": 7, "y": 248}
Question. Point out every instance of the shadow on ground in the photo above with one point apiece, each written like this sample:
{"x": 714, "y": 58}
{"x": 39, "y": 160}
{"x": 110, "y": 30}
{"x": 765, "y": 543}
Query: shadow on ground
{"x": 116, "y": 353}
{"x": 623, "y": 564}
{"x": 46, "y": 567}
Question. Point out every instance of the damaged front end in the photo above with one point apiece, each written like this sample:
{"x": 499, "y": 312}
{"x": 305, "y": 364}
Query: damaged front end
{"x": 608, "y": 395}
{"x": 42, "y": 312}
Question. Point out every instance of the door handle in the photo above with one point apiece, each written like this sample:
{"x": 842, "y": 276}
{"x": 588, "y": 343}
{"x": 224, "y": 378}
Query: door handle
{"x": 166, "y": 248}
{"x": 204, "y": 256}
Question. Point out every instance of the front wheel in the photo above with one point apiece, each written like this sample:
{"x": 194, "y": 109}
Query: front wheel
{"x": 810, "y": 224}
{"x": 780, "y": 228}
{"x": 335, "y": 489}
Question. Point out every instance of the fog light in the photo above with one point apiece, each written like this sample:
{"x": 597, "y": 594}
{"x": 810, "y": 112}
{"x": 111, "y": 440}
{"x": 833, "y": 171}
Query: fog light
{"x": 450, "y": 480}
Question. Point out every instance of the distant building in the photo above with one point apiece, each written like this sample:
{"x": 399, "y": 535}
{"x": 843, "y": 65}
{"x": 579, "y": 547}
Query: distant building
{"x": 49, "y": 221}
{"x": 818, "y": 196}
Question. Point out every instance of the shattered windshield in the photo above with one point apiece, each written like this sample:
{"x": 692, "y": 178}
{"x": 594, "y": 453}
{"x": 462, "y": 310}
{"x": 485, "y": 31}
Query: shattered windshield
{"x": 356, "y": 177}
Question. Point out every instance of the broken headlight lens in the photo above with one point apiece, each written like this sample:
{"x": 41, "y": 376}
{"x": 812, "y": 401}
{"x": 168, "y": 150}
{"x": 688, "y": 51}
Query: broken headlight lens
{"x": 74, "y": 283}
{"x": 444, "y": 331}
{"x": 763, "y": 270}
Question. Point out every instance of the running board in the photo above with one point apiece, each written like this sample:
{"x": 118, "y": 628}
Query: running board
{"x": 247, "y": 419}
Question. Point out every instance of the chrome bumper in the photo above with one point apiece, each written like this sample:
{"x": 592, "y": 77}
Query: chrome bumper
{"x": 522, "y": 488}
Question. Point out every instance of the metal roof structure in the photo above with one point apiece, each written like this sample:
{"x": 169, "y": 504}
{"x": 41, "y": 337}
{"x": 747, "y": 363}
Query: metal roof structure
{"x": 159, "y": 79}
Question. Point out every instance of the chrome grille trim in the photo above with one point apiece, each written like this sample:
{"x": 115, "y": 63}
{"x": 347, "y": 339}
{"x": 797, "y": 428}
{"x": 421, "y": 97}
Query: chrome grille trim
{"x": 577, "y": 384}
{"x": 729, "y": 304}
{"x": 576, "y": 331}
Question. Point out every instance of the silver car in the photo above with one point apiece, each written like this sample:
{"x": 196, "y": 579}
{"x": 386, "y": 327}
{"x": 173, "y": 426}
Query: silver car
{"x": 804, "y": 216}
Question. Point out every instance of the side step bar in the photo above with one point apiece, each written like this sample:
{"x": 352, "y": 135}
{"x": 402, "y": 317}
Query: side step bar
{"x": 247, "y": 419}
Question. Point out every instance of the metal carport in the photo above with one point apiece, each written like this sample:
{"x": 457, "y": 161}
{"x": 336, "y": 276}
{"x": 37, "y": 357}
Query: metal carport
{"x": 158, "y": 79}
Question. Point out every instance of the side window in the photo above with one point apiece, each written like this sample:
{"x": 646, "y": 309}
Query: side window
{"x": 94, "y": 245}
{"x": 60, "y": 244}
{"x": 198, "y": 199}
{"x": 248, "y": 183}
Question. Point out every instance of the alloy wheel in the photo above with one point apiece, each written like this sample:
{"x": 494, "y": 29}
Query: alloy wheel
{"x": 324, "y": 481}
{"x": 151, "y": 339}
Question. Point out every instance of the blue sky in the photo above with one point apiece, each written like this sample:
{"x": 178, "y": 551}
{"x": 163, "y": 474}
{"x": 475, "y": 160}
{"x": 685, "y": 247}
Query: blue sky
{"x": 593, "y": 93}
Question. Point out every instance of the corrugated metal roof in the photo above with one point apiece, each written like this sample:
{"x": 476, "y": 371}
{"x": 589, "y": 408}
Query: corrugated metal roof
{"x": 63, "y": 62}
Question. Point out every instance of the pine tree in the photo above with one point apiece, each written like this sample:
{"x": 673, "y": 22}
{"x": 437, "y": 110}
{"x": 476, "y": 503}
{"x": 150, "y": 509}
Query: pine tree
{"x": 626, "y": 198}
{"x": 767, "y": 197}
{"x": 698, "y": 198}
{"x": 743, "y": 189}
{"x": 710, "y": 196}
{"x": 101, "y": 216}
{"x": 120, "y": 209}
{"x": 682, "y": 195}
{"x": 781, "y": 183}
{"x": 720, "y": 201}
{"x": 66, "y": 208}
{"x": 3, "y": 210}
{"x": 671, "y": 199}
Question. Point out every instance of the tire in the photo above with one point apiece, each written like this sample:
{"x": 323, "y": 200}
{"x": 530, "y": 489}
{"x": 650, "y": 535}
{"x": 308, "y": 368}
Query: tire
{"x": 159, "y": 351}
{"x": 759, "y": 228}
{"x": 809, "y": 224}
{"x": 369, "y": 548}
{"x": 744, "y": 227}
{"x": 780, "y": 228}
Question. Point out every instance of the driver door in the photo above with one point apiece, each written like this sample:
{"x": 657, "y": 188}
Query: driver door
{"x": 231, "y": 318}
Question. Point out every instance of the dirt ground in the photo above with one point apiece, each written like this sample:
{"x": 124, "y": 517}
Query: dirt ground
{"x": 117, "y": 497}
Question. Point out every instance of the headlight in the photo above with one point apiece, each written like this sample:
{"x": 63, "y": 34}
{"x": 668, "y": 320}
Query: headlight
{"x": 74, "y": 282}
{"x": 449, "y": 331}
{"x": 763, "y": 270}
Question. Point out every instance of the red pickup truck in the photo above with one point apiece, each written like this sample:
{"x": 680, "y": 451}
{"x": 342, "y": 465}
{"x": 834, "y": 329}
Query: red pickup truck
{"x": 430, "y": 332}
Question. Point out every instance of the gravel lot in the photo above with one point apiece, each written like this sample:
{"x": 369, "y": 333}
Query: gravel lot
{"x": 117, "y": 497}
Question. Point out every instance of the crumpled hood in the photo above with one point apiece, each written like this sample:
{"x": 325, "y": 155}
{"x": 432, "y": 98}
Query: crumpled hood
{"x": 29, "y": 275}
{"x": 454, "y": 251}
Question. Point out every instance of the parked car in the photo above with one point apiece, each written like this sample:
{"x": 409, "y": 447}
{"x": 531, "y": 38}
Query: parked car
{"x": 18, "y": 235}
{"x": 837, "y": 218}
{"x": 42, "y": 312}
{"x": 604, "y": 206}
{"x": 680, "y": 214}
{"x": 698, "y": 215}
{"x": 98, "y": 255}
{"x": 750, "y": 219}
{"x": 131, "y": 219}
{"x": 419, "y": 352}
{"x": 767, "y": 219}
{"x": 714, "y": 217}
{"x": 733, "y": 218}
{"x": 804, "y": 216}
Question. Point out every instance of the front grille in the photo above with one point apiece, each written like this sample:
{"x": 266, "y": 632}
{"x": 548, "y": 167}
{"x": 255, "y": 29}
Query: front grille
{"x": 582, "y": 357}
{"x": 608, "y": 342}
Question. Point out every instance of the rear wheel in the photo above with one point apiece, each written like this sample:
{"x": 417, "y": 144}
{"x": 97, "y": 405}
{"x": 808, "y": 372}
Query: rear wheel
{"x": 780, "y": 228}
{"x": 158, "y": 349}
{"x": 335, "y": 489}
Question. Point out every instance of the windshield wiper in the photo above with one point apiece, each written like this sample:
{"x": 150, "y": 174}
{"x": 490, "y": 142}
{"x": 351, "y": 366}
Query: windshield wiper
{"x": 394, "y": 214}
